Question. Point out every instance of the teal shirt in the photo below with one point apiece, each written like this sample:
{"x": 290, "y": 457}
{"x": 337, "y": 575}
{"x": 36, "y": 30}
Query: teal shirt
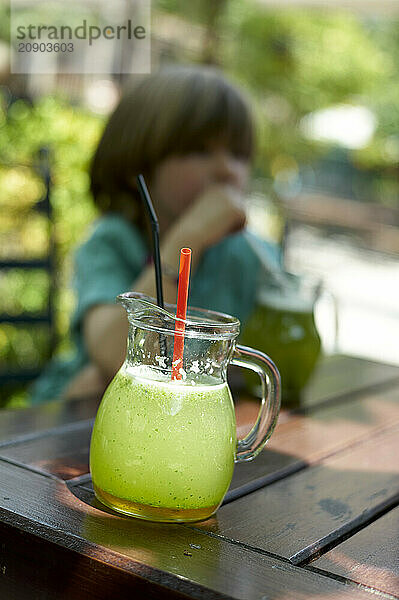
{"x": 112, "y": 258}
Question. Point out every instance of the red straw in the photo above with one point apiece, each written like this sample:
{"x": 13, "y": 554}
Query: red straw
{"x": 182, "y": 295}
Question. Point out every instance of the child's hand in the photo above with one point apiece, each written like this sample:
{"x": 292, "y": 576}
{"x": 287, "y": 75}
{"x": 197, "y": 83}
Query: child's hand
{"x": 215, "y": 214}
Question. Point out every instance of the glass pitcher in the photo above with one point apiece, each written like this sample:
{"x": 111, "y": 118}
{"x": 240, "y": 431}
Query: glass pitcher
{"x": 165, "y": 450}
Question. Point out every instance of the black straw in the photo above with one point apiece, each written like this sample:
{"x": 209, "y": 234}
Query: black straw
{"x": 145, "y": 196}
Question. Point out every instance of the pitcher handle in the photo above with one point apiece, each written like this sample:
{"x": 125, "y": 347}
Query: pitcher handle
{"x": 248, "y": 358}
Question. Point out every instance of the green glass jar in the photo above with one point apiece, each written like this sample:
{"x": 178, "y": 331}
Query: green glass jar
{"x": 283, "y": 326}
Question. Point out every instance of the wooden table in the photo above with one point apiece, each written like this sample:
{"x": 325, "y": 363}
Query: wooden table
{"x": 314, "y": 516}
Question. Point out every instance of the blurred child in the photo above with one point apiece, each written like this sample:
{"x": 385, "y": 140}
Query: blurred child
{"x": 190, "y": 133}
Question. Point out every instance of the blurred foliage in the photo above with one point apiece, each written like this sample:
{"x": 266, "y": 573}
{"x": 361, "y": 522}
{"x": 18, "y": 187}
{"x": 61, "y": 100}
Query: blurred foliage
{"x": 24, "y": 291}
{"x": 72, "y": 134}
{"x": 312, "y": 62}
{"x": 309, "y": 63}
{"x": 23, "y": 347}
{"x": 295, "y": 61}
{"x": 196, "y": 11}
{"x": 4, "y": 21}
{"x": 382, "y": 154}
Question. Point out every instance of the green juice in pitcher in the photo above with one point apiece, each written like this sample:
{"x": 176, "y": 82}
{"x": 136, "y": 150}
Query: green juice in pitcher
{"x": 163, "y": 450}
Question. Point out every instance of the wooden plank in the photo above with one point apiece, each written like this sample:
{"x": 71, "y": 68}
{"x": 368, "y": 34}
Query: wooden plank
{"x": 91, "y": 552}
{"x": 64, "y": 454}
{"x": 343, "y": 211}
{"x": 31, "y": 567}
{"x": 306, "y": 439}
{"x": 26, "y": 318}
{"x": 334, "y": 426}
{"x": 304, "y": 513}
{"x": 377, "y": 232}
{"x": 339, "y": 376}
{"x": 371, "y": 556}
{"x": 296, "y": 443}
{"x": 30, "y": 423}
{"x": 336, "y": 378}
{"x": 35, "y": 263}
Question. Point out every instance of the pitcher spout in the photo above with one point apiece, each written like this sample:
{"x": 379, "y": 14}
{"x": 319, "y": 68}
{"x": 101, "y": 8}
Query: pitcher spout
{"x": 143, "y": 311}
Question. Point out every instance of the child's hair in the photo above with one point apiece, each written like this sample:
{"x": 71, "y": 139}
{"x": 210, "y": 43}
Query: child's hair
{"x": 174, "y": 111}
